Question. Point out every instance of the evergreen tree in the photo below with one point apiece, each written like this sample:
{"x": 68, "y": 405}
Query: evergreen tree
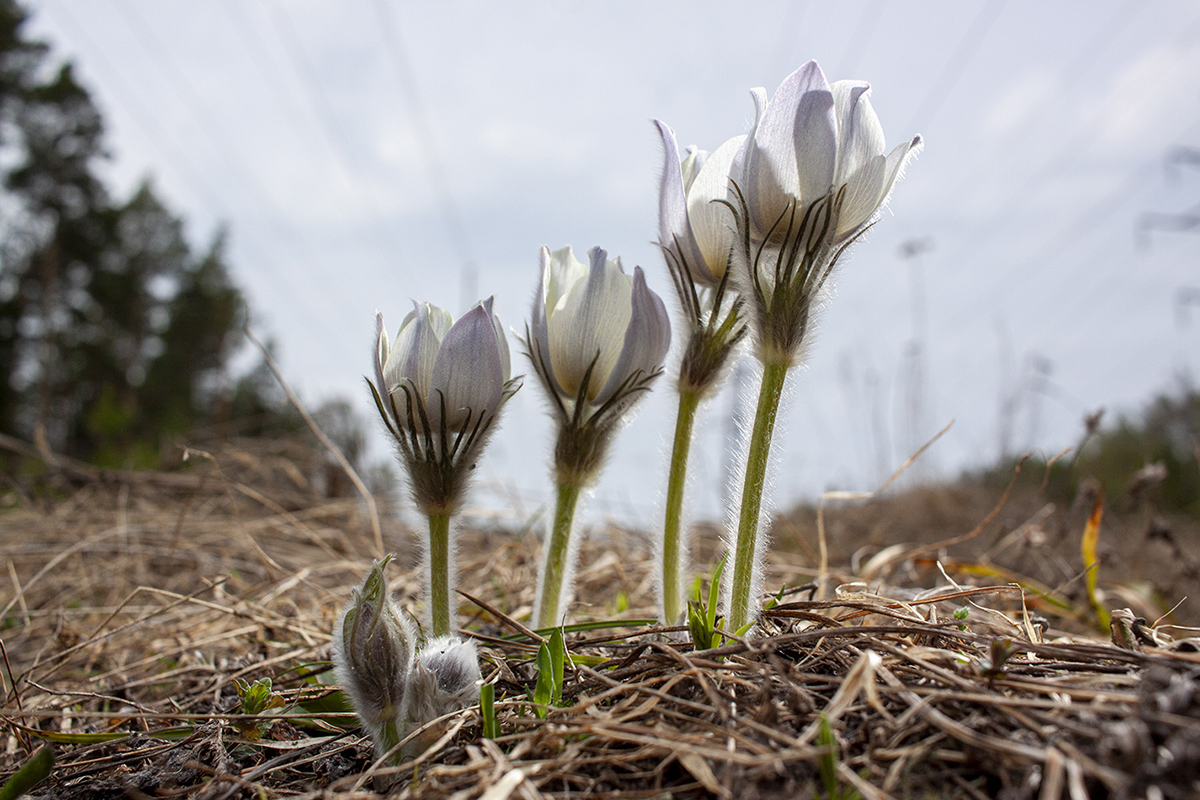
{"x": 113, "y": 333}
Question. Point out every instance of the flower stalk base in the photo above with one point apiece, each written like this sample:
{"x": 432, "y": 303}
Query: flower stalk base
{"x": 674, "y": 549}
{"x": 738, "y": 607}
{"x": 439, "y": 574}
{"x": 556, "y": 560}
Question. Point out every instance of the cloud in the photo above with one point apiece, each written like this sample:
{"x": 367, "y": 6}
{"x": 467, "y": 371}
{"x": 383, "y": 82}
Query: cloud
{"x": 1143, "y": 105}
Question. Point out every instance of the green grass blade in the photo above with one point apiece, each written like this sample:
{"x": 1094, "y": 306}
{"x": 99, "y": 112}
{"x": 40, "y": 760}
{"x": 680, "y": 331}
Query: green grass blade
{"x": 35, "y": 770}
{"x": 487, "y": 708}
{"x": 543, "y": 690}
{"x": 827, "y": 762}
{"x": 558, "y": 657}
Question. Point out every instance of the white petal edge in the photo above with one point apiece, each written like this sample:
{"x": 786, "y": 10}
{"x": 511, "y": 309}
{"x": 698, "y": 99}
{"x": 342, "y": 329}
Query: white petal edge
{"x": 469, "y": 372}
{"x": 712, "y": 222}
{"x": 589, "y": 324}
{"x": 647, "y": 339}
{"x": 674, "y": 232}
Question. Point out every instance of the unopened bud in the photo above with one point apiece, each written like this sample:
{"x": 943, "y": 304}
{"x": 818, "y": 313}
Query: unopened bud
{"x": 372, "y": 657}
{"x": 444, "y": 679}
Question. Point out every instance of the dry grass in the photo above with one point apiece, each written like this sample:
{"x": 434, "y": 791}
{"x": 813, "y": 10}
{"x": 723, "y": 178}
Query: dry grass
{"x": 134, "y": 602}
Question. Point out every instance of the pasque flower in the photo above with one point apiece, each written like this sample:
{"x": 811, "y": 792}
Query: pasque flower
{"x": 597, "y": 339}
{"x": 439, "y": 388}
{"x": 697, "y": 234}
{"x": 441, "y": 379}
{"x": 372, "y": 658}
{"x": 597, "y": 333}
{"x": 814, "y": 175}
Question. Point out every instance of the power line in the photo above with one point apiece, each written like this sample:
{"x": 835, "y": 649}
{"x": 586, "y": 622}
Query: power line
{"x": 1090, "y": 219}
{"x": 179, "y": 156}
{"x": 1090, "y": 51}
{"x": 409, "y": 91}
{"x": 956, "y": 65}
{"x": 256, "y": 48}
{"x": 329, "y": 122}
{"x": 1095, "y": 213}
{"x": 215, "y": 131}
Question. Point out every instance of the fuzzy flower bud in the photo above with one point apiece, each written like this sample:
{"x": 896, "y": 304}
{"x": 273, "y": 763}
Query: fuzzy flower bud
{"x": 444, "y": 679}
{"x": 372, "y": 658}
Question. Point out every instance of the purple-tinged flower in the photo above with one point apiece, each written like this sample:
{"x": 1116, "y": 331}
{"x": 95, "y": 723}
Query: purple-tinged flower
{"x": 814, "y": 178}
{"x": 437, "y": 366}
{"x": 597, "y": 341}
{"x": 439, "y": 388}
{"x": 695, "y": 226}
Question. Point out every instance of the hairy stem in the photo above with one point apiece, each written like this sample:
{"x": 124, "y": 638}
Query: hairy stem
{"x": 558, "y": 551}
{"x": 739, "y": 608}
{"x": 439, "y": 573}
{"x": 673, "y": 547}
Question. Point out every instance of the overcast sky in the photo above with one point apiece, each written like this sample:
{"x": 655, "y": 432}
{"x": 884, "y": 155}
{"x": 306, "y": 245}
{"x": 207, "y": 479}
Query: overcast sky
{"x": 365, "y": 152}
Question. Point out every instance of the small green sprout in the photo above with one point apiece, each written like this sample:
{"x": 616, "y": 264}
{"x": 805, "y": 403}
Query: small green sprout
{"x": 551, "y": 663}
{"x": 961, "y": 615}
{"x": 702, "y": 616}
{"x": 35, "y": 770}
{"x": 487, "y": 709}
{"x": 257, "y": 698}
{"x": 1002, "y": 650}
{"x": 828, "y": 763}
{"x": 777, "y": 599}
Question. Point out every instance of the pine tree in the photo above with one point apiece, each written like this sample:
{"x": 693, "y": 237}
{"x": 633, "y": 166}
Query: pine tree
{"x": 114, "y": 334}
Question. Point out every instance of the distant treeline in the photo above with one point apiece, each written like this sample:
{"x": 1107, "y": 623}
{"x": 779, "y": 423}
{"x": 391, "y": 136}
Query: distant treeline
{"x": 1151, "y": 459}
{"x": 115, "y": 333}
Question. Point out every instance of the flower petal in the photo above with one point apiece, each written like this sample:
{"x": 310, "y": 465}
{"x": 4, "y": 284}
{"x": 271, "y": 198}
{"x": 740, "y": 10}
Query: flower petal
{"x": 416, "y": 348}
{"x": 647, "y": 338}
{"x": 868, "y": 191}
{"x": 501, "y": 339}
{"x": 691, "y": 164}
{"x": 860, "y": 136}
{"x": 589, "y": 324}
{"x": 557, "y": 276}
{"x": 381, "y": 355}
{"x": 759, "y": 95}
{"x": 712, "y": 223}
{"x": 897, "y": 161}
{"x": 862, "y": 196}
{"x": 561, "y": 270}
{"x": 674, "y": 232}
{"x": 795, "y": 146}
{"x": 469, "y": 371}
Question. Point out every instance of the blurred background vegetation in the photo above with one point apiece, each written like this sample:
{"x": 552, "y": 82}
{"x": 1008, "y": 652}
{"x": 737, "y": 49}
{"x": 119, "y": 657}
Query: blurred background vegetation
{"x": 1148, "y": 459}
{"x": 117, "y": 334}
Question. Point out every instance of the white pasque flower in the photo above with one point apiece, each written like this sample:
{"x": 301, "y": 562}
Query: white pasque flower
{"x": 437, "y": 365}
{"x": 597, "y": 333}
{"x": 694, "y": 223}
{"x": 813, "y": 139}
